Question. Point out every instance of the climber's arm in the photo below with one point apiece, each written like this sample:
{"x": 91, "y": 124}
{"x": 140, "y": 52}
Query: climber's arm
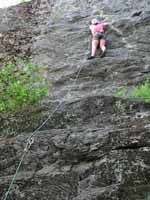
{"x": 90, "y": 43}
{"x": 116, "y": 30}
{"x": 92, "y": 29}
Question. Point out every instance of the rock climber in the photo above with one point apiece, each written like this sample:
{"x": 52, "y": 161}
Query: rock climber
{"x": 98, "y": 37}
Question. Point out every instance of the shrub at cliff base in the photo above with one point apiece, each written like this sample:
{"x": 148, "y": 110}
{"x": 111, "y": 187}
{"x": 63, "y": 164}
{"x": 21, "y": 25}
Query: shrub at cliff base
{"x": 141, "y": 91}
{"x": 21, "y": 87}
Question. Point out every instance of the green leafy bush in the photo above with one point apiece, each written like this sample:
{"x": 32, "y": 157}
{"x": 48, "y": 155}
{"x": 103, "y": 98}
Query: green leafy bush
{"x": 148, "y": 197}
{"x": 22, "y": 1}
{"x": 121, "y": 92}
{"x": 21, "y": 86}
{"x": 141, "y": 91}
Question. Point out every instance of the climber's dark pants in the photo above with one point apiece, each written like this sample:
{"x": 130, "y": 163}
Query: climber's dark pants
{"x": 99, "y": 35}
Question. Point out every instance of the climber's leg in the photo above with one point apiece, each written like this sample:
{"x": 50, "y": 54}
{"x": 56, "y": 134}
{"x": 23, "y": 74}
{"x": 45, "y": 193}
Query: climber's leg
{"x": 103, "y": 46}
{"x": 94, "y": 47}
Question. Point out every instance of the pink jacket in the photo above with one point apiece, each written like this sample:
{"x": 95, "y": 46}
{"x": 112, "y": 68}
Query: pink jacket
{"x": 97, "y": 28}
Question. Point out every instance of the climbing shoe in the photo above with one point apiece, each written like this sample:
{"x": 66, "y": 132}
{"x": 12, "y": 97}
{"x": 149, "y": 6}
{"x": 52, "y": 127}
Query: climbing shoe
{"x": 91, "y": 57}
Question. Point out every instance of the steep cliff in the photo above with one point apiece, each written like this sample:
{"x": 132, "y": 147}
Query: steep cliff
{"x": 95, "y": 146}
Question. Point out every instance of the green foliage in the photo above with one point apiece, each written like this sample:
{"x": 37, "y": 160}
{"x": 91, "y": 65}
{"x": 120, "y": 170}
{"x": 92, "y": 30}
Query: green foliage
{"x": 121, "y": 92}
{"x": 22, "y": 1}
{"x": 148, "y": 197}
{"x": 141, "y": 91}
{"x": 21, "y": 86}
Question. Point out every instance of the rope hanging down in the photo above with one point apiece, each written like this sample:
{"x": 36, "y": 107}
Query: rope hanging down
{"x": 30, "y": 139}
{"x": 27, "y": 147}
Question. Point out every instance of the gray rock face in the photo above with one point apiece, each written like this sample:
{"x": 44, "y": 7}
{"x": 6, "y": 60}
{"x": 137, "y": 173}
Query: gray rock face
{"x": 95, "y": 146}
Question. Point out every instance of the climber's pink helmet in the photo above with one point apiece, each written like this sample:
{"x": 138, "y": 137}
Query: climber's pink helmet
{"x": 94, "y": 21}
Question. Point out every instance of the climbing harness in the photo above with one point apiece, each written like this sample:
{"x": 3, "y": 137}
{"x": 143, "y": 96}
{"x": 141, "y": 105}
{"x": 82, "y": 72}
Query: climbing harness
{"x": 30, "y": 139}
